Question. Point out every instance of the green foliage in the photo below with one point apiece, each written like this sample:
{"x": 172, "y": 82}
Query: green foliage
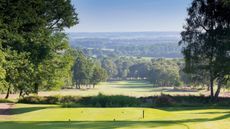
{"x": 164, "y": 73}
{"x": 125, "y": 101}
{"x": 69, "y": 99}
{"x": 139, "y": 70}
{"x": 110, "y": 67}
{"x": 82, "y": 71}
{"x": 99, "y": 75}
{"x": 110, "y": 101}
{"x": 55, "y": 70}
{"x": 164, "y": 101}
{"x": 5, "y": 101}
{"x": 205, "y": 41}
{"x": 32, "y": 100}
{"x": 87, "y": 72}
{"x": 160, "y": 72}
{"x": 2, "y": 71}
{"x": 102, "y": 46}
{"x": 18, "y": 72}
{"x": 96, "y": 101}
{"x": 33, "y": 43}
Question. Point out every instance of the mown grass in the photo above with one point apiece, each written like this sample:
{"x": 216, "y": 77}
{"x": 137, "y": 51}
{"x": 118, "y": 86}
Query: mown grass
{"x": 32, "y": 116}
{"x": 27, "y": 116}
{"x": 126, "y": 88}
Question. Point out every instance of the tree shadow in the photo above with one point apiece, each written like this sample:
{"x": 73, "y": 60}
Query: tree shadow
{"x": 15, "y": 111}
{"x": 172, "y": 90}
{"x": 212, "y": 112}
{"x": 182, "y": 124}
{"x": 174, "y": 109}
{"x": 5, "y": 108}
{"x": 134, "y": 87}
{"x": 89, "y": 124}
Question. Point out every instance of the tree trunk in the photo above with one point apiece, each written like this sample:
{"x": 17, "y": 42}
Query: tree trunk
{"x": 8, "y": 93}
{"x": 208, "y": 88}
{"x": 36, "y": 85}
{"x": 20, "y": 93}
{"x": 211, "y": 88}
{"x": 218, "y": 90}
{"x": 77, "y": 85}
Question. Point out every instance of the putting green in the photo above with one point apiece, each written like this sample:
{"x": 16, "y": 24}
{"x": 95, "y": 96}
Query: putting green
{"x": 25, "y": 116}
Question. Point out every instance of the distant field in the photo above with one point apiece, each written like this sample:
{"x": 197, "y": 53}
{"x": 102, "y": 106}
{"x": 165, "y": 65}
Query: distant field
{"x": 127, "y": 88}
{"x": 53, "y": 117}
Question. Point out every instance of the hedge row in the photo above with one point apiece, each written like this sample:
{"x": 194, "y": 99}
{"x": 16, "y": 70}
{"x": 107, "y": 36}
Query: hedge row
{"x": 125, "y": 101}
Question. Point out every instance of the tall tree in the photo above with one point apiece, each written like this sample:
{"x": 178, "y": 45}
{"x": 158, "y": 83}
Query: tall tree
{"x": 110, "y": 67}
{"x": 18, "y": 72}
{"x": 31, "y": 26}
{"x": 205, "y": 40}
{"x": 82, "y": 71}
{"x": 2, "y": 71}
{"x": 99, "y": 75}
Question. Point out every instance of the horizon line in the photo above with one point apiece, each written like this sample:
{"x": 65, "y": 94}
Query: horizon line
{"x": 116, "y": 31}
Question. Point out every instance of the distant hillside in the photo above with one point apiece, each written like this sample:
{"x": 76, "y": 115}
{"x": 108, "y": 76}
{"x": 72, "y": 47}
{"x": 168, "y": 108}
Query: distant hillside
{"x": 147, "y": 44}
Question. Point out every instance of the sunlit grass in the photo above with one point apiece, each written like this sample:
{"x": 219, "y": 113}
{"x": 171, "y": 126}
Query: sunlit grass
{"x": 127, "y": 88}
{"x": 25, "y": 116}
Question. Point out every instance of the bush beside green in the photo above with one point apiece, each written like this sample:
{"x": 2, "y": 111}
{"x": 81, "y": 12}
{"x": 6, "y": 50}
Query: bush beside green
{"x": 126, "y": 101}
{"x": 5, "y": 101}
{"x": 110, "y": 101}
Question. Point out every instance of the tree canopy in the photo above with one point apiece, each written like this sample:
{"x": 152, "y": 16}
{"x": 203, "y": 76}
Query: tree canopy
{"x": 205, "y": 40}
{"x": 33, "y": 42}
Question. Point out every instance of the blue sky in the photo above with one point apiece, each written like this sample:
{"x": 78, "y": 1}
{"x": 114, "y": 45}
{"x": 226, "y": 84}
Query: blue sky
{"x": 130, "y": 15}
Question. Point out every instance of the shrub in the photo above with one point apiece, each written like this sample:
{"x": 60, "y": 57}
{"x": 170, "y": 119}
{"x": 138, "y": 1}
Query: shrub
{"x": 32, "y": 100}
{"x": 224, "y": 102}
{"x": 110, "y": 101}
{"x": 164, "y": 101}
{"x": 49, "y": 99}
{"x": 5, "y": 101}
{"x": 192, "y": 101}
{"x": 125, "y": 101}
{"x": 69, "y": 99}
{"x": 52, "y": 99}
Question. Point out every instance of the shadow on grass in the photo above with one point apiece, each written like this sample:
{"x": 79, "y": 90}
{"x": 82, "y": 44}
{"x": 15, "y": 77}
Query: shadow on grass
{"x": 90, "y": 125}
{"x": 15, "y": 111}
{"x": 134, "y": 87}
{"x": 150, "y": 88}
{"x": 173, "y": 90}
{"x": 212, "y": 112}
{"x": 130, "y": 83}
{"x": 174, "y": 109}
{"x": 180, "y": 124}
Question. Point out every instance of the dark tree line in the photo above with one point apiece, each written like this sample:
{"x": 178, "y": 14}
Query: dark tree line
{"x": 160, "y": 72}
